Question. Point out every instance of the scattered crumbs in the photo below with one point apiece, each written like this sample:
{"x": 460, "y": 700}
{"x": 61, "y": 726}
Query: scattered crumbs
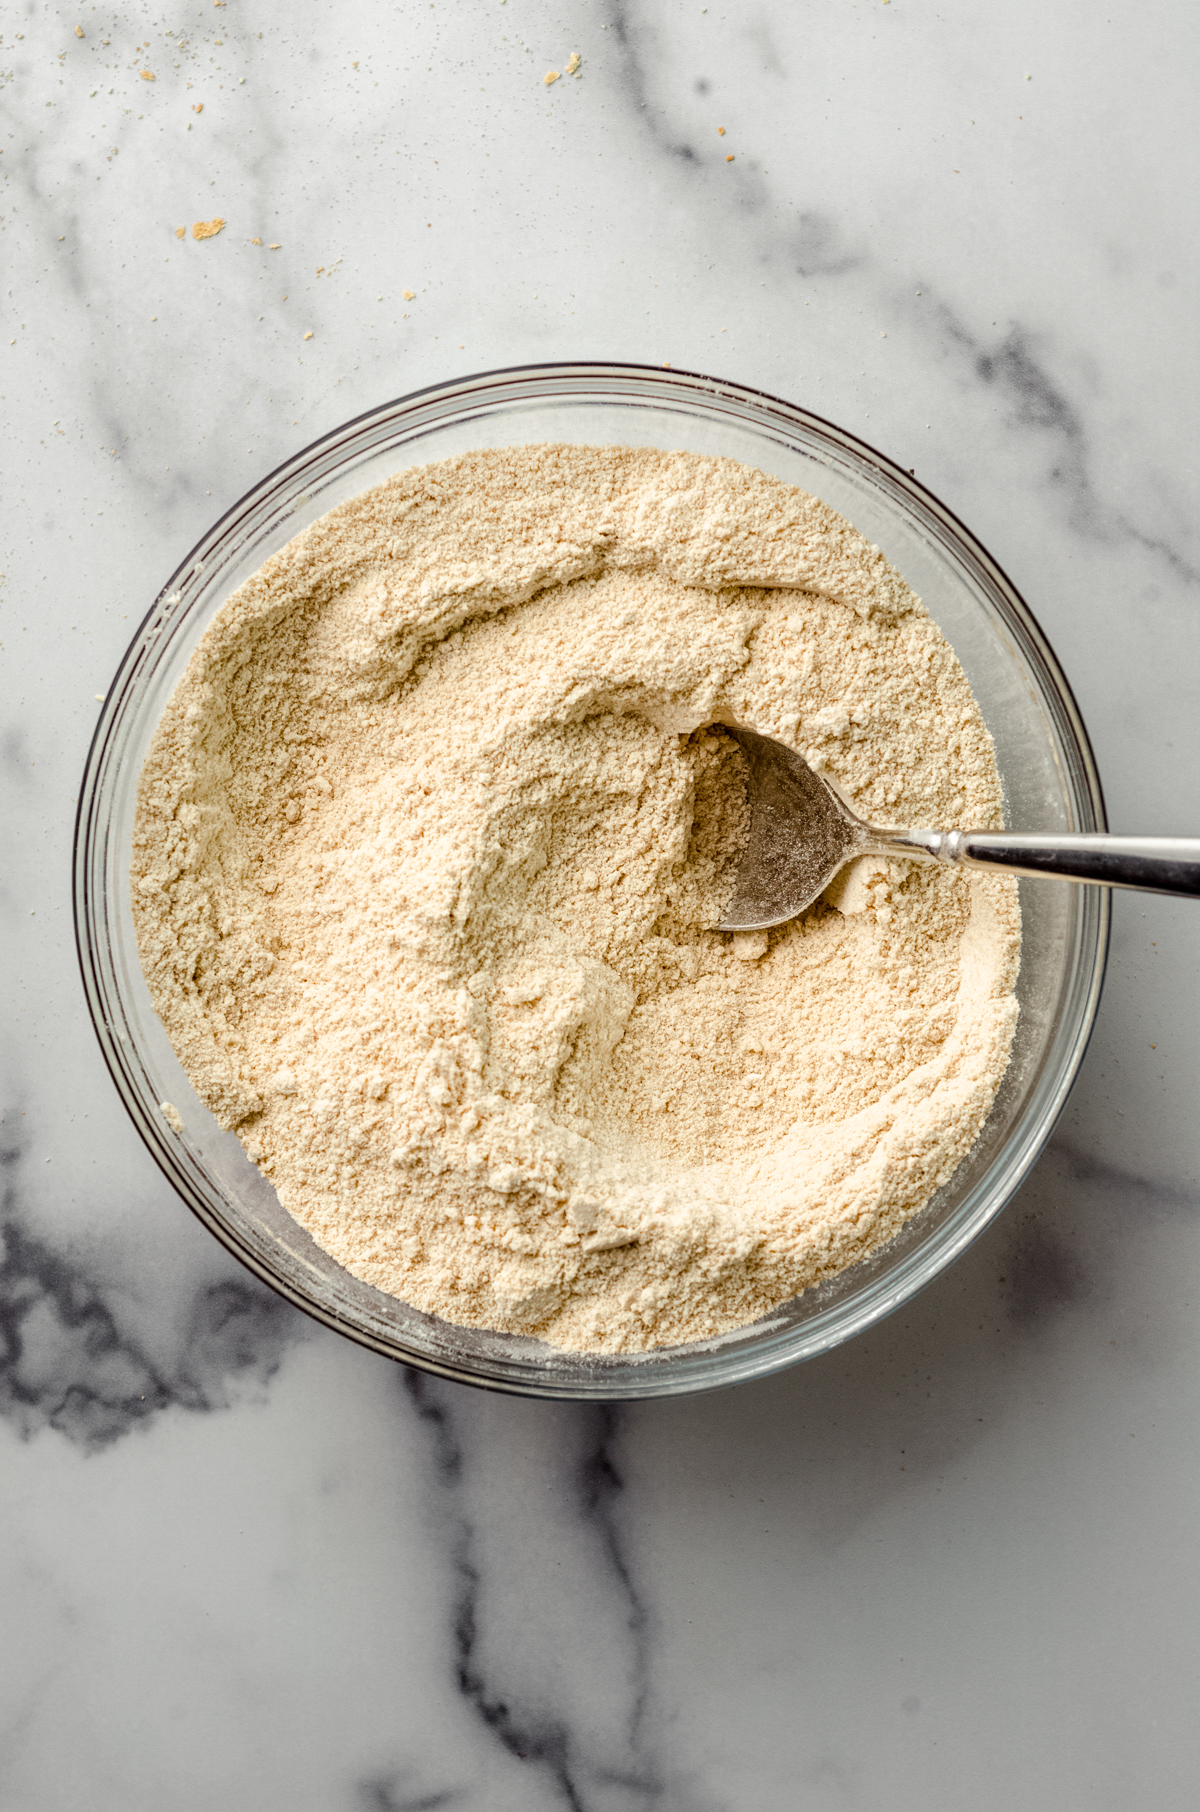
{"x": 729, "y": 157}
{"x": 550, "y": 76}
{"x": 408, "y": 294}
{"x": 207, "y": 229}
{"x": 574, "y": 63}
{"x": 180, "y": 231}
{"x": 171, "y": 1115}
{"x": 79, "y": 31}
{"x": 720, "y": 131}
{"x": 199, "y": 107}
{"x": 147, "y": 75}
{"x": 309, "y": 334}
{"x": 256, "y": 242}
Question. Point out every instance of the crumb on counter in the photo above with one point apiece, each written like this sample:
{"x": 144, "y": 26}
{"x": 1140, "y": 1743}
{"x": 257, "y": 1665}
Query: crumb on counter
{"x": 550, "y": 76}
{"x": 180, "y": 231}
{"x": 207, "y": 229}
{"x": 574, "y": 63}
{"x": 408, "y": 294}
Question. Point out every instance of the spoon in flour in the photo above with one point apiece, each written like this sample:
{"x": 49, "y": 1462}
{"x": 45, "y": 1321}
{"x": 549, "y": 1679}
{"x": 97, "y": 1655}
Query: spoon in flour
{"x": 802, "y": 834}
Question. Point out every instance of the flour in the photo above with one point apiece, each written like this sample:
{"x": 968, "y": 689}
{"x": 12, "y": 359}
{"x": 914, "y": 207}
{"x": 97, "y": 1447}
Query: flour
{"x": 429, "y": 846}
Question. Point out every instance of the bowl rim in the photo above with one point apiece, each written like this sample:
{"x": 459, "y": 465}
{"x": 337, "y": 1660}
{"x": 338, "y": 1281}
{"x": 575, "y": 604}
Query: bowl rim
{"x": 88, "y": 891}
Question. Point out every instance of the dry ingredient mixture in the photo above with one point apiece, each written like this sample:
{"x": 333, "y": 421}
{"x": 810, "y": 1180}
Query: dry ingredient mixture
{"x": 430, "y": 842}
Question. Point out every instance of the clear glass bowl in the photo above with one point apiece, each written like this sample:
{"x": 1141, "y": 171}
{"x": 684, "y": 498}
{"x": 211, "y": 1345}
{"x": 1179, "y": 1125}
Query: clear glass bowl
{"x": 1045, "y": 761}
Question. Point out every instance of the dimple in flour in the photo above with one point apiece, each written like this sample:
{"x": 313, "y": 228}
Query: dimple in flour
{"x": 430, "y": 844}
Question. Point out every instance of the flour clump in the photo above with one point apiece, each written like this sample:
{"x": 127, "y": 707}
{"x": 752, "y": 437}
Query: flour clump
{"x": 430, "y": 844}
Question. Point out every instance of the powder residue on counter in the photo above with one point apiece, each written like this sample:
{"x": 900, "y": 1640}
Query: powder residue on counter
{"x": 430, "y": 844}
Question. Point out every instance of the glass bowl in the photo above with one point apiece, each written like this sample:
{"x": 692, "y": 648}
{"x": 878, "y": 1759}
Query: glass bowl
{"x": 1046, "y": 765}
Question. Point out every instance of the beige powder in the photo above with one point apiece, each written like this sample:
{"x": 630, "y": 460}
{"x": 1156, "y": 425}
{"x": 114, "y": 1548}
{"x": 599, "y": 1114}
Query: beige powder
{"x": 429, "y": 845}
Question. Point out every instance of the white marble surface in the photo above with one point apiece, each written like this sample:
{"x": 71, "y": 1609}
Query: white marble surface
{"x": 951, "y": 1565}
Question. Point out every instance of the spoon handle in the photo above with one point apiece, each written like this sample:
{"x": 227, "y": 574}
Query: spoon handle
{"x": 1152, "y": 864}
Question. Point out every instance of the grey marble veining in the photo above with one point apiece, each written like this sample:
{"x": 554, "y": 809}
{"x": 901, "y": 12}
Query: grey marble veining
{"x": 951, "y": 1564}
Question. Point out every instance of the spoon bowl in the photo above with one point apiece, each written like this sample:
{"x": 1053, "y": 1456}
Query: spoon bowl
{"x": 801, "y": 834}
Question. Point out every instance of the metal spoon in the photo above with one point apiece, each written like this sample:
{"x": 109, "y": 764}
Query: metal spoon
{"x": 802, "y": 834}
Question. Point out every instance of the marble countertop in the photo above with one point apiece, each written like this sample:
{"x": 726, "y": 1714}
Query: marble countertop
{"x": 952, "y": 1564}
